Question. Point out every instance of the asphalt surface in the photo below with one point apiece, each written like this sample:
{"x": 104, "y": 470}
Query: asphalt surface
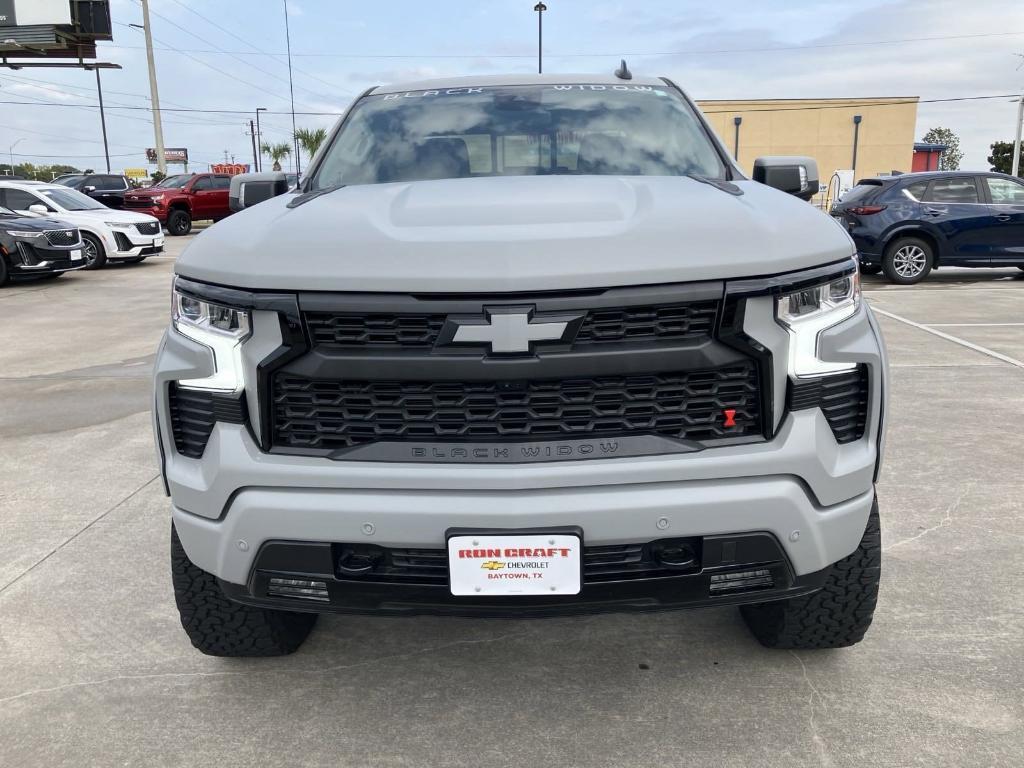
{"x": 95, "y": 670}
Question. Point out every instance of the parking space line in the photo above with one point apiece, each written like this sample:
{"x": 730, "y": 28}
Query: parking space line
{"x": 954, "y": 339}
{"x": 975, "y": 325}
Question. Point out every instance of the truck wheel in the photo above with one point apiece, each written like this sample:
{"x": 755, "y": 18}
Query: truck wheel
{"x": 94, "y": 252}
{"x": 838, "y": 614}
{"x": 908, "y": 260}
{"x": 179, "y": 222}
{"x": 870, "y": 269}
{"x": 218, "y": 626}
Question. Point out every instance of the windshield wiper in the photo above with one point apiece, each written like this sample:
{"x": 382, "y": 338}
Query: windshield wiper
{"x": 305, "y": 197}
{"x": 726, "y": 186}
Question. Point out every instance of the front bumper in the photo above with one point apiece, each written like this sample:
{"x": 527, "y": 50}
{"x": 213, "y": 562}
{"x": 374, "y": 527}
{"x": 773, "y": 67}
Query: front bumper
{"x": 130, "y": 244}
{"x": 34, "y": 259}
{"x": 810, "y": 493}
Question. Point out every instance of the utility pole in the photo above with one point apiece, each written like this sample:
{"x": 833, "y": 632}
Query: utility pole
{"x": 856, "y": 140}
{"x": 12, "y": 153}
{"x": 540, "y": 8}
{"x": 158, "y": 128}
{"x": 259, "y": 139}
{"x": 291, "y": 87}
{"x": 103, "y": 119}
{"x": 255, "y": 153}
{"x": 1016, "y": 143}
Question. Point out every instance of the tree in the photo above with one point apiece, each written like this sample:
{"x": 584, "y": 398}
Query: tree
{"x": 310, "y": 139}
{"x": 950, "y": 160}
{"x": 276, "y": 152}
{"x": 1001, "y": 158}
{"x": 157, "y": 177}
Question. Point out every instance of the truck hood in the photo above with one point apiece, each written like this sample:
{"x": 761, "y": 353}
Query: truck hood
{"x": 514, "y": 234}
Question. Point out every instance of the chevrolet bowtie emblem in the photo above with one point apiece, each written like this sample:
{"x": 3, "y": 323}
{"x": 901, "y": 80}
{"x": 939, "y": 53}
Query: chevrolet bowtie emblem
{"x": 493, "y": 565}
{"x": 511, "y": 330}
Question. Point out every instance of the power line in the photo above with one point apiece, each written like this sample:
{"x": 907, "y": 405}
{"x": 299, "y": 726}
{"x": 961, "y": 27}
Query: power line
{"x": 845, "y": 105}
{"x": 607, "y": 54}
{"x": 258, "y": 50}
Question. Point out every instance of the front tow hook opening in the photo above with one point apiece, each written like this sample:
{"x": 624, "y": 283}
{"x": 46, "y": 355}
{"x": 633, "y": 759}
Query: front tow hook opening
{"x": 678, "y": 554}
{"x": 358, "y": 560}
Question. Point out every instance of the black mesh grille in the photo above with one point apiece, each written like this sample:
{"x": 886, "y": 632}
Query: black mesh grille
{"x": 617, "y": 562}
{"x": 407, "y": 331}
{"x": 421, "y": 330}
{"x": 331, "y": 415}
{"x": 148, "y": 228}
{"x": 62, "y": 238}
{"x": 682, "y": 321}
{"x": 843, "y": 398}
{"x": 194, "y": 413}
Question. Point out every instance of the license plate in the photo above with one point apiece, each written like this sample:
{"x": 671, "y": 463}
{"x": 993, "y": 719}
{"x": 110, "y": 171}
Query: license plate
{"x": 488, "y": 565}
{"x": 76, "y": 255}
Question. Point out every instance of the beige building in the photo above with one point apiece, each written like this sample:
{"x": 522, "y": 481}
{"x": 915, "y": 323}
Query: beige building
{"x": 822, "y": 128}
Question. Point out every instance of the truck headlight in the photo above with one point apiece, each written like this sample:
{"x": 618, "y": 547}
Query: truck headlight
{"x": 807, "y": 312}
{"x": 220, "y": 328}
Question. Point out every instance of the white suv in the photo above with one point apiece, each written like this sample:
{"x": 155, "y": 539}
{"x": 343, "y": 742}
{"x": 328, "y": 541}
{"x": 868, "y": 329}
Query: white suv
{"x": 107, "y": 234}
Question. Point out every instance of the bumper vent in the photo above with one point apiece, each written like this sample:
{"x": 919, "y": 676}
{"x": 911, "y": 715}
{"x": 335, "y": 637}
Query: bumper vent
{"x": 332, "y": 415}
{"x": 843, "y": 398}
{"x": 193, "y": 414}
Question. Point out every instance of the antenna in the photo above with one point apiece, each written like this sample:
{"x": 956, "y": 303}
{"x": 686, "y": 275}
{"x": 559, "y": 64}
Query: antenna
{"x": 623, "y": 72}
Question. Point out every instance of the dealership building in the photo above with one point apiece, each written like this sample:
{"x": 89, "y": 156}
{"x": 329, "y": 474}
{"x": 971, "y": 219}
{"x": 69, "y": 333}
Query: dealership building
{"x": 854, "y": 137}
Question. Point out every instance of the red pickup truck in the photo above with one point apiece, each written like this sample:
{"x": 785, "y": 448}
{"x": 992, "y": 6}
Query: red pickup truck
{"x": 179, "y": 200}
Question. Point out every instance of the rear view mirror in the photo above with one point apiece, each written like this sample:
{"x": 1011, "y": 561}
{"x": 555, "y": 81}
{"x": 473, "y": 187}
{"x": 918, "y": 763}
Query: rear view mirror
{"x": 38, "y": 208}
{"x": 794, "y": 175}
{"x": 89, "y": 189}
{"x": 249, "y": 189}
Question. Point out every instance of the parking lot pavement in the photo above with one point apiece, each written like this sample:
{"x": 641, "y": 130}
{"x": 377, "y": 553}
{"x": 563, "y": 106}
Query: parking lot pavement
{"x": 95, "y": 670}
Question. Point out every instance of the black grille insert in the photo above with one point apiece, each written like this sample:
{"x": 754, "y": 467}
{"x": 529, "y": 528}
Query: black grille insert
{"x": 148, "y": 228}
{"x": 193, "y": 414}
{"x": 843, "y": 398}
{"x": 62, "y": 238}
{"x": 616, "y": 562}
{"x": 693, "y": 405}
{"x": 379, "y": 330}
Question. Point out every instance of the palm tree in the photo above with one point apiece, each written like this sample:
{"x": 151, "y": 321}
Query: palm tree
{"x": 276, "y": 152}
{"x": 310, "y": 139}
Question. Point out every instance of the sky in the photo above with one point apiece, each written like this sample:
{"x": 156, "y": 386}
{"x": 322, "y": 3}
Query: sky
{"x": 229, "y": 55}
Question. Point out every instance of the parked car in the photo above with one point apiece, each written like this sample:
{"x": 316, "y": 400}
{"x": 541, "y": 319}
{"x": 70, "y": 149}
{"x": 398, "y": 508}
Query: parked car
{"x": 34, "y": 247}
{"x": 521, "y": 346}
{"x": 108, "y": 189}
{"x": 177, "y": 201}
{"x": 107, "y": 235}
{"x": 907, "y": 225}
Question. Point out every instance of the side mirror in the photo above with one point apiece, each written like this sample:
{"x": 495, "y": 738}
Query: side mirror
{"x": 39, "y": 209}
{"x": 794, "y": 175}
{"x": 249, "y": 189}
{"x": 89, "y": 189}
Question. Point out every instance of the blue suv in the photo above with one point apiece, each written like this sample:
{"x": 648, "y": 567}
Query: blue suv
{"x": 907, "y": 225}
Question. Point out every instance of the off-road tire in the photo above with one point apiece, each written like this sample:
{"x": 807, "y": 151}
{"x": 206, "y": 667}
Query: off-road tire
{"x": 838, "y": 615}
{"x": 891, "y": 260}
{"x": 179, "y": 222}
{"x": 218, "y": 626}
{"x": 871, "y": 269}
{"x": 100, "y": 257}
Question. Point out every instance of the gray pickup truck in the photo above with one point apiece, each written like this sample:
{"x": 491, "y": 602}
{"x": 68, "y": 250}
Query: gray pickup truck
{"x": 522, "y": 346}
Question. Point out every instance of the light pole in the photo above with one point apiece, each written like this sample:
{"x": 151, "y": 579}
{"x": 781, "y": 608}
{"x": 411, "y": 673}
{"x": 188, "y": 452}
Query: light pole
{"x": 540, "y": 8}
{"x": 856, "y": 140}
{"x": 103, "y": 119}
{"x": 259, "y": 137}
{"x": 737, "y": 122}
{"x": 1016, "y": 142}
{"x": 154, "y": 95}
{"x": 12, "y": 153}
{"x": 291, "y": 87}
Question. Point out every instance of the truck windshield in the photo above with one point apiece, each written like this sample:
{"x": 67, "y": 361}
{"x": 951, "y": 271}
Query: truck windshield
{"x": 606, "y": 130}
{"x": 174, "y": 182}
{"x": 70, "y": 181}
